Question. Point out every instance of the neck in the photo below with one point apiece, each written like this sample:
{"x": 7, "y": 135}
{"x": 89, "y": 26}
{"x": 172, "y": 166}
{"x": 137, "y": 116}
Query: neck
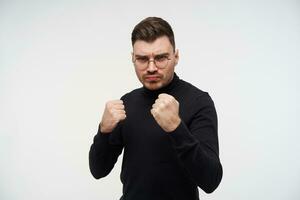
{"x": 165, "y": 89}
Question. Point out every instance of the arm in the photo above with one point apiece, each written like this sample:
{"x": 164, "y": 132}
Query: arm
{"x": 197, "y": 146}
{"x": 104, "y": 152}
{"x": 108, "y": 143}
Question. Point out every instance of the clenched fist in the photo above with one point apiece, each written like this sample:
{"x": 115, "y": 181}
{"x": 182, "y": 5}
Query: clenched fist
{"x": 114, "y": 113}
{"x": 165, "y": 111}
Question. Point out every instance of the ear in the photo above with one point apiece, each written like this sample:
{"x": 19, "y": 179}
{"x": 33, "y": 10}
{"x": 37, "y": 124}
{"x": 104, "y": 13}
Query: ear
{"x": 176, "y": 56}
{"x": 132, "y": 56}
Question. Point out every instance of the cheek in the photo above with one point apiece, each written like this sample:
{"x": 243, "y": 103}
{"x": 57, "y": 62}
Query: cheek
{"x": 170, "y": 71}
{"x": 139, "y": 74}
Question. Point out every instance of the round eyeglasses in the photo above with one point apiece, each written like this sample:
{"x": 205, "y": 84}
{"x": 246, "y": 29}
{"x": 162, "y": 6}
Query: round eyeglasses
{"x": 160, "y": 61}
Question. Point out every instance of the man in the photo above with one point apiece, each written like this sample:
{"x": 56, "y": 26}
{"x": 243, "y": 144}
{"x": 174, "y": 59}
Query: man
{"x": 168, "y": 127}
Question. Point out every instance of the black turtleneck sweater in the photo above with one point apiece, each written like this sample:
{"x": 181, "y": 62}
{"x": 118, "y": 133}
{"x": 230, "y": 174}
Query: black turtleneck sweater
{"x": 159, "y": 165}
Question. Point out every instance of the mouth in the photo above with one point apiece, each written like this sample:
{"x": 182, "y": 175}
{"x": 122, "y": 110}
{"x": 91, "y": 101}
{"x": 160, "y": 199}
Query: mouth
{"x": 152, "y": 78}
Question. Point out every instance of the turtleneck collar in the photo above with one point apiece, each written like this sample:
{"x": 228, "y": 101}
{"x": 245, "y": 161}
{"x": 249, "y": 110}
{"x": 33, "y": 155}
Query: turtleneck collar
{"x": 165, "y": 89}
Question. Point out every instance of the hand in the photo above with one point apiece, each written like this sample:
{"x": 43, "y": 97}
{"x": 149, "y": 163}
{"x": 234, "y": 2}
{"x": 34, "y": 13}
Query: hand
{"x": 114, "y": 113}
{"x": 165, "y": 111}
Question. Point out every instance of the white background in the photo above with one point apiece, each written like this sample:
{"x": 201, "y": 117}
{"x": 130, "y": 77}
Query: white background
{"x": 60, "y": 61}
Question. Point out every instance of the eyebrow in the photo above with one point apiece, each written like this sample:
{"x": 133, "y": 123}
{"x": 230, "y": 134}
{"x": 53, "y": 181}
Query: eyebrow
{"x": 143, "y": 56}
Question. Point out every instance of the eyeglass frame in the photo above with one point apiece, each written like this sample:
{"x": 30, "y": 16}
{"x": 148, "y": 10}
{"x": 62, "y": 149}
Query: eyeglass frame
{"x": 151, "y": 60}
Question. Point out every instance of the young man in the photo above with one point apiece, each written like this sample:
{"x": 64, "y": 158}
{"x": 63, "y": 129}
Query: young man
{"x": 168, "y": 127}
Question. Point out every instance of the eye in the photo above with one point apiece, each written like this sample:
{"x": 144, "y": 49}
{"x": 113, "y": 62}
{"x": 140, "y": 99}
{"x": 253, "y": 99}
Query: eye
{"x": 142, "y": 59}
{"x": 161, "y": 58}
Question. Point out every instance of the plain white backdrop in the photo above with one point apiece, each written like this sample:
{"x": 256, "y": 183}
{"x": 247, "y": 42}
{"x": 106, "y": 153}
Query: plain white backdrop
{"x": 60, "y": 61}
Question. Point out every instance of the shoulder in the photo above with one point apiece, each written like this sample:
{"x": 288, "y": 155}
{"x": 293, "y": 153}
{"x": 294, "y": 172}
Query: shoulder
{"x": 191, "y": 90}
{"x": 194, "y": 102}
{"x": 132, "y": 94}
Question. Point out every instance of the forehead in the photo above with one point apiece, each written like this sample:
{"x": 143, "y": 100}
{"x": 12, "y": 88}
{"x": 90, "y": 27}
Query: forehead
{"x": 160, "y": 45}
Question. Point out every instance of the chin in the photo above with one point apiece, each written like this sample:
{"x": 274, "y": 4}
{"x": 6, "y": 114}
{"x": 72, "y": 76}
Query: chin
{"x": 152, "y": 86}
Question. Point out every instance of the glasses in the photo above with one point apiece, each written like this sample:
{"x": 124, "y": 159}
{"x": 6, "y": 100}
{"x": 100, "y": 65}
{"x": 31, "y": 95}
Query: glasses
{"x": 160, "y": 61}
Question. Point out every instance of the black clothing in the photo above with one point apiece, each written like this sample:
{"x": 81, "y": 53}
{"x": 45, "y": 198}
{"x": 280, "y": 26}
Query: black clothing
{"x": 159, "y": 165}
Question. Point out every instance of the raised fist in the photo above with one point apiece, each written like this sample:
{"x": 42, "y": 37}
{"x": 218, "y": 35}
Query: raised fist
{"x": 114, "y": 113}
{"x": 165, "y": 111}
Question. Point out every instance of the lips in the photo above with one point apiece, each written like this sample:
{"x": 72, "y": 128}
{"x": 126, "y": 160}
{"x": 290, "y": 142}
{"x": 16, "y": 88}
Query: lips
{"x": 152, "y": 78}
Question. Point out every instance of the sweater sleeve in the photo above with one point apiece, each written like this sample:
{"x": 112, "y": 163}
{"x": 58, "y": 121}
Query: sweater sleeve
{"x": 104, "y": 152}
{"x": 196, "y": 145}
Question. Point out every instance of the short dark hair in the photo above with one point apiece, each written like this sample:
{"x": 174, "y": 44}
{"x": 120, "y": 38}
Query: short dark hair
{"x": 151, "y": 28}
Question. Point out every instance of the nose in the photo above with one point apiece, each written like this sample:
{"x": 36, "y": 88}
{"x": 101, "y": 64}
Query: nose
{"x": 151, "y": 66}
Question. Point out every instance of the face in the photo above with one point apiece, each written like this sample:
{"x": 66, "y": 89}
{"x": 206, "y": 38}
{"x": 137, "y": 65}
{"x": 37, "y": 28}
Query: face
{"x": 153, "y": 77}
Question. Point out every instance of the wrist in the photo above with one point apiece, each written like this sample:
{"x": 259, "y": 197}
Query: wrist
{"x": 103, "y": 130}
{"x": 175, "y": 123}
